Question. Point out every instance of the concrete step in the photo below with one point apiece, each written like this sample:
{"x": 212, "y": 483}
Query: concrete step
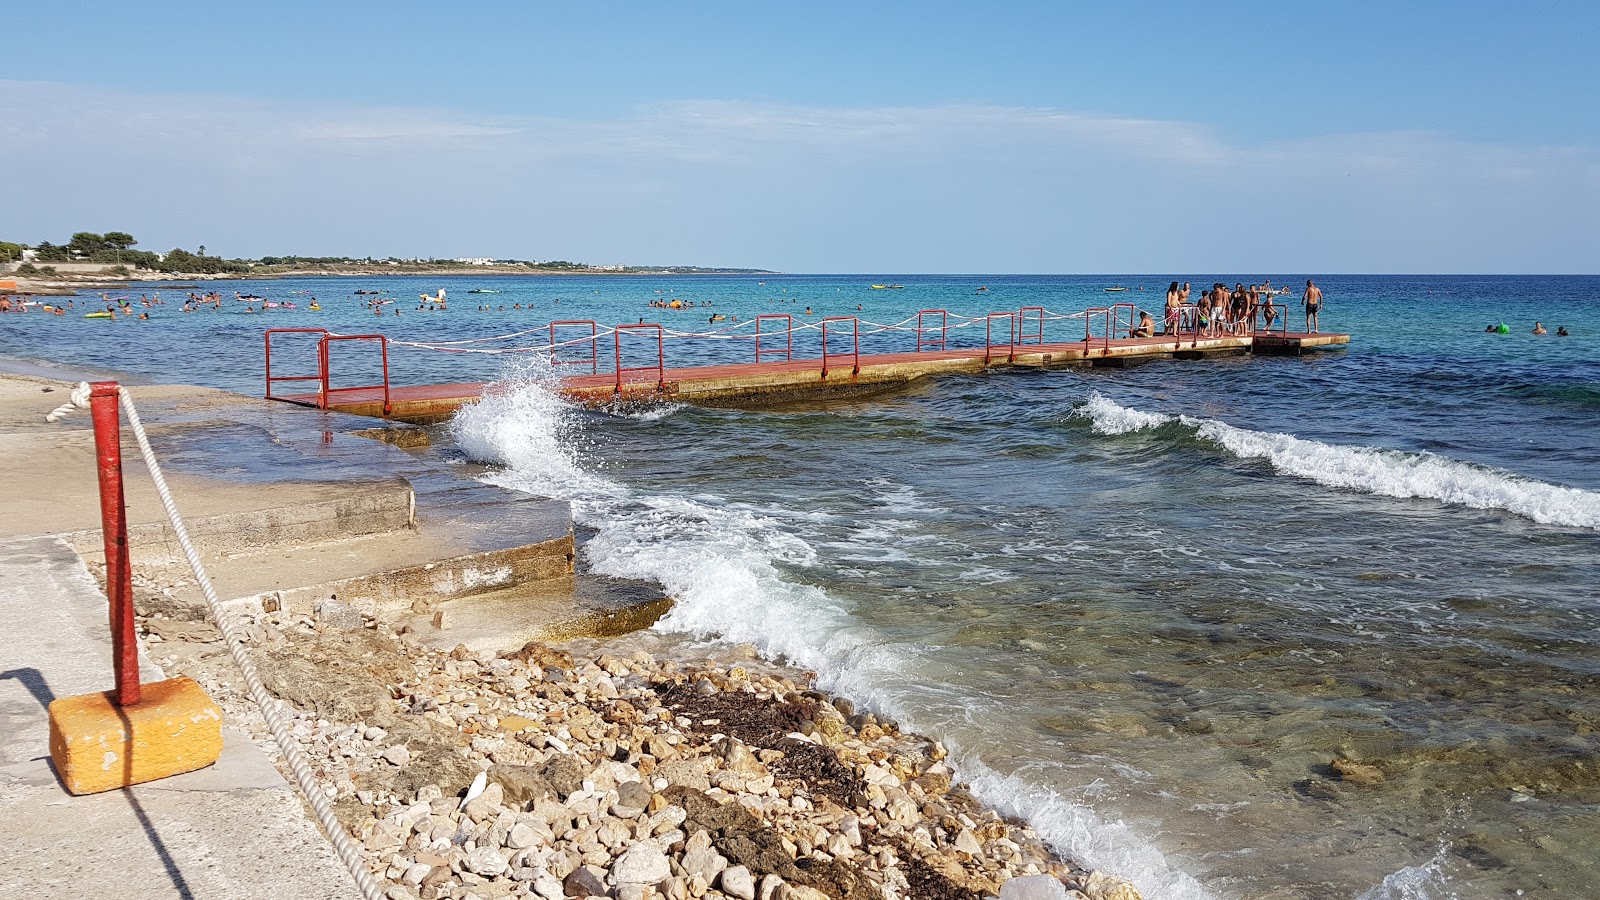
{"x": 581, "y": 606}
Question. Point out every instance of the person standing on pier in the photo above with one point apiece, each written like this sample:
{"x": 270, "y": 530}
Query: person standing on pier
{"x": 1313, "y": 304}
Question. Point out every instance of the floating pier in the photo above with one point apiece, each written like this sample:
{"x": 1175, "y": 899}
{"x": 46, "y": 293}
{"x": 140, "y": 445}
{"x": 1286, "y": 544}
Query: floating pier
{"x": 638, "y": 370}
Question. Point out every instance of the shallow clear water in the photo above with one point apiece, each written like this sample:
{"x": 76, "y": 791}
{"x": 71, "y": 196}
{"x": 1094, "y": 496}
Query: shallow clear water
{"x": 1147, "y": 607}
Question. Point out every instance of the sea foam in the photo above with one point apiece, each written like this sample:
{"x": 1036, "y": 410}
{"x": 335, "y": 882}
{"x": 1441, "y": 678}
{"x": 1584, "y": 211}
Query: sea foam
{"x": 1373, "y": 470}
{"x": 719, "y": 560}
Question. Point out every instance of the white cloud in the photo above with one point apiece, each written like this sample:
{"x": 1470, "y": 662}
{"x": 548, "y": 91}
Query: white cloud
{"x": 952, "y": 187}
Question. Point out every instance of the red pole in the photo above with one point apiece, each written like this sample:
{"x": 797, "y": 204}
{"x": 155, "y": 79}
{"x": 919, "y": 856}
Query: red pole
{"x": 103, "y": 399}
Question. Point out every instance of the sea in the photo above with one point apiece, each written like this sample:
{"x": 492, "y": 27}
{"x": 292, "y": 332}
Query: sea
{"x": 1252, "y": 627}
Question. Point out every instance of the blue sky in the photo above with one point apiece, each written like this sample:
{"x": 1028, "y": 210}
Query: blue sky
{"x": 1044, "y": 137}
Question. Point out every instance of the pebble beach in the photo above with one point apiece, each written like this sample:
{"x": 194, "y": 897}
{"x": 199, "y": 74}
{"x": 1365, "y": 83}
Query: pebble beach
{"x": 634, "y": 768}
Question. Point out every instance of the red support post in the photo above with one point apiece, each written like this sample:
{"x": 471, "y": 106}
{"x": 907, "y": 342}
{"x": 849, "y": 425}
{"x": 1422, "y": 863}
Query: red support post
{"x": 592, "y": 360}
{"x": 943, "y": 328}
{"x": 855, "y": 343}
{"x": 788, "y": 335}
{"x": 103, "y": 399}
{"x": 989, "y": 345}
{"x": 660, "y": 368}
{"x": 271, "y": 378}
{"x": 1022, "y": 320}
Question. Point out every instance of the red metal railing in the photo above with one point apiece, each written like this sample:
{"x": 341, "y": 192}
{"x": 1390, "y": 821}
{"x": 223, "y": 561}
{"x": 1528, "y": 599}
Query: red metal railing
{"x": 592, "y": 360}
{"x": 103, "y": 398}
{"x": 855, "y": 344}
{"x": 1022, "y": 325}
{"x": 989, "y": 346}
{"x": 660, "y": 368}
{"x": 267, "y": 337}
{"x": 943, "y": 329}
{"x": 324, "y": 355}
{"x": 1180, "y": 319}
{"x": 788, "y": 335}
{"x": 1280, "y": 317}
{"x": 1111, "y": 318}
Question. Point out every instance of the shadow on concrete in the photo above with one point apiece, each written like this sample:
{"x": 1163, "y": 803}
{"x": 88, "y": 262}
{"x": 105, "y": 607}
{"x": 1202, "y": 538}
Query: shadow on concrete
{"x": 179, "y": 883}
{"x": 33, "y": 680}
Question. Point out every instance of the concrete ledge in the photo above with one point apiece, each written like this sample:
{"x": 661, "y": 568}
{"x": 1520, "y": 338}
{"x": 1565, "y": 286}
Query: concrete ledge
{"x": 371, "y": 508}
{"x": 420, "y": 588}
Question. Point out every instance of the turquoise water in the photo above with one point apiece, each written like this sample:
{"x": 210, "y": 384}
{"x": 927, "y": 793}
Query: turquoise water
{"x": 1146, "y": 608}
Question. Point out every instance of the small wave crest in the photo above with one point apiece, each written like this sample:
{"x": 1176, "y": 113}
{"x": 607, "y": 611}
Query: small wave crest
{"x": 1428, "y": 881}
{"x": 1373, "y": 470}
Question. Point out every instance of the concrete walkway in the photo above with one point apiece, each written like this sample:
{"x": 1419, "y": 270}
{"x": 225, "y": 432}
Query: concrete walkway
{"x": 234, "y": 830}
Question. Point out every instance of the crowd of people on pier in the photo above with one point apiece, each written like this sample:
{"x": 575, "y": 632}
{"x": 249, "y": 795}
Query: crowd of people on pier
{"x": 1218, "y": 311}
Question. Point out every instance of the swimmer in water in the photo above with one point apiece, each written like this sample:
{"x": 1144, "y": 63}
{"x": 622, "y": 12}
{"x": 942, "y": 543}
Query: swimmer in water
{"x": 1538, "y": 328}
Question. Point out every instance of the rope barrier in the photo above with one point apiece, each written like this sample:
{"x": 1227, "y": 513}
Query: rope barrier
{"x": 271, "y": 708}
{"x": 724, "y": 333}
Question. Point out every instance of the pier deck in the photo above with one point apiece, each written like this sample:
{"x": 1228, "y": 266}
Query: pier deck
{"x": 845, "y": 374}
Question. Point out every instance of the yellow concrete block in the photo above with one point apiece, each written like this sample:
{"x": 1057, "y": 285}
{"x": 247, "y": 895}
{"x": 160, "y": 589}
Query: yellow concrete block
{"x": 100, "y": 746}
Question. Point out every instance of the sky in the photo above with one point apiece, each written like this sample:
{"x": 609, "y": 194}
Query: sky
{"x": 1048, "y": 137}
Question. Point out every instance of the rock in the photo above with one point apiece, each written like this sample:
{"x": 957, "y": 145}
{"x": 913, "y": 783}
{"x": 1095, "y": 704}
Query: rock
{"x": 642, "y": 863}
{"x": 880, "y": 776}
{"x": 513, "y": 724}
{"x": 549, "y": 887}
{"x": 674, "y": 888}
{"x": 737, "y": 758}
{"x": 850, "y": 827}
{"x": 563, "y": 772}
{"x": 1317, "y": 789}
{"x": 486, "y": 805}
{"x": 398, "y": 755}
{"x": 383, "y": 837}
{"x": 334, "y": 614}
{"x": 583, "y": 883}
{"x": 632, "y": 798}
{"x": 1357, "y": 773}
{"x": 966, "y": 843}
{"x": 541, "y": 656}
{"x": 1033, "y": 887}
{"x": 689, "y": 773}
{"x": 699, "y": 858}
{"x": 934, "y": 784}
{"x": 522, "y": 836}
{"x": 520, "y": 784}
{"x": 1100, "y": 886}
{"x": 770, "y": 886}
{"x": 656, "y": 745}
{"x": 736, "y": 881}
{"x": 485, "y": 861}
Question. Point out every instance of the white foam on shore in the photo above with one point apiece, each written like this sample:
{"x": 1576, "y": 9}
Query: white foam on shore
{"x": 720, "y": 560}
{"x": 1428, "y": 881}
{"x": 1391, "y": 473}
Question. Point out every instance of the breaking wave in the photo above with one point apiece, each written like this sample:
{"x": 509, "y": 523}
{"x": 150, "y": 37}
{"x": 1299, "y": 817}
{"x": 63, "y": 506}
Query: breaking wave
{"x": 1373, "y": 470}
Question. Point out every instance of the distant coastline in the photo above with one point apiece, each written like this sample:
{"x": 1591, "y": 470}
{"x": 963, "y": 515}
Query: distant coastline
{"x": 68, "y": 283}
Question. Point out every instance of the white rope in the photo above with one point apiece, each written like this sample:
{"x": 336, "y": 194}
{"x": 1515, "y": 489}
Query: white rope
{"x": 78, "y": 399}
{"x": 271, "y": 708}
{"x": 725, "y": 333}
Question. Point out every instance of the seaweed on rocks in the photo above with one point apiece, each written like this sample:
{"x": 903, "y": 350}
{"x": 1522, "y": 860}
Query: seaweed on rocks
{"x": 765, "y": 724}
{"x": 741, "y": 837}
{"x": 927, "y": 883}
